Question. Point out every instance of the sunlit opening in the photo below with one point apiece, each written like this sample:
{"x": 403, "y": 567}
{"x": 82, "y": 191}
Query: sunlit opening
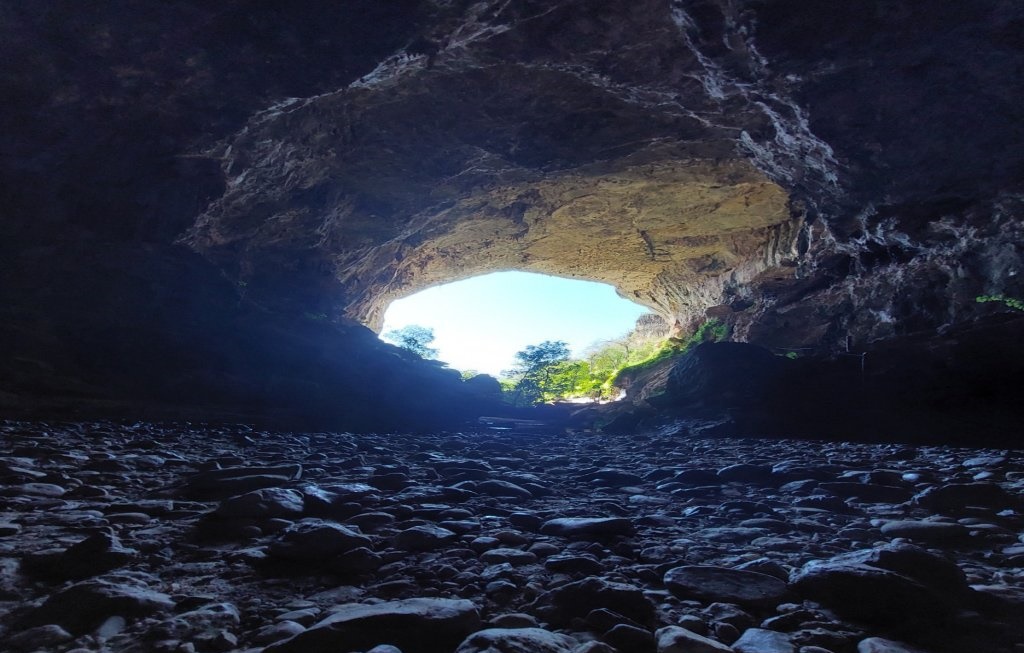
{"x": 479, "y": 324}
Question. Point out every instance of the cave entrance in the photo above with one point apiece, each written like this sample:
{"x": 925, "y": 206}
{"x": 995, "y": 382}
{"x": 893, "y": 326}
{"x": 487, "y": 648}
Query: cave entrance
{"x": 480, "y": 323}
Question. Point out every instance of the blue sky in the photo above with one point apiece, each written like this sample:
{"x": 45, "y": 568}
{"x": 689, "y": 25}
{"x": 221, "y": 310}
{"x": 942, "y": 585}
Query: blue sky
{"x": 480, "y": 323}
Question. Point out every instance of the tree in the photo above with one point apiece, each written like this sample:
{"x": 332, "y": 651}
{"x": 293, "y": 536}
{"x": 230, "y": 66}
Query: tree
{"x": 414, "y": 338}
{"x": 537, "y": 372}
{"x": 536, "y": 357}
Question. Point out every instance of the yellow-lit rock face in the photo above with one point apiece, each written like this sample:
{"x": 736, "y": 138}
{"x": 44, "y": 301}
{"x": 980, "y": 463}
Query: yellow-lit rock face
{"x": 659, "y": 232}
{"x": 426, "y": 173}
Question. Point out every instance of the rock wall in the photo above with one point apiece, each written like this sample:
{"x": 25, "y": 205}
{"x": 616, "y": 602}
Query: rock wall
{"x": 822, "y": 177}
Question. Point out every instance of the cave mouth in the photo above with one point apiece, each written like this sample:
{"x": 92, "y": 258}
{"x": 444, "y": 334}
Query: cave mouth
{"x": 480, "y": 323}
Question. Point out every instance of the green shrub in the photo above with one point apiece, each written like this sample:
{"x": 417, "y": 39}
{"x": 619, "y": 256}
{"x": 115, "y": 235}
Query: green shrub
{"x": 1010, "y": 302}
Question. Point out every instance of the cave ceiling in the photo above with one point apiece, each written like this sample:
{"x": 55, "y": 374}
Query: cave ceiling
{"x": 817, "y": 171}
{"x": 545, "y": 140}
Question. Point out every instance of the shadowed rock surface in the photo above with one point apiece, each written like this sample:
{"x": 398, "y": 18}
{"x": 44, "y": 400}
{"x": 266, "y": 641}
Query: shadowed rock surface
{"x": 202, "y": 202}
{"x": 322, "y": 561}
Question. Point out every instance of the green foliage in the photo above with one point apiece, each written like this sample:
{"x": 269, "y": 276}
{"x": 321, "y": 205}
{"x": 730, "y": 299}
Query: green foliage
{"x": 712, "y": 330}
{"x": 545, "y": 372}
{"x": 542, "y": 373}
{"x": 1010, "y": 302}
{"x": 414, "y": 338}
{"x": 468, "y": 374}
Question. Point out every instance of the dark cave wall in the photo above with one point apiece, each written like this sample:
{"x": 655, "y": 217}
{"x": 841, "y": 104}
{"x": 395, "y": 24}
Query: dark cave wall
{"x": 894, "y": 130}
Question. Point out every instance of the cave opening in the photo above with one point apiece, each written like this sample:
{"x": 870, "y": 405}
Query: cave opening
{"x": 478, "y": 324}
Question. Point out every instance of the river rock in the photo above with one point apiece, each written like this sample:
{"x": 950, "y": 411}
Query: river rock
{"x": 418, "y": 625}
{"x": 925, "y": 531}
{"x": 759, "y": 640}
{"x": 587, "y": 527}
{"x": 423, "y": 538}
{"x": 673, "y": 639}
{"x": 517, "y": 640}
{"x": 579, "y": 598}
{"x": 728, "y": 585}
{"x": 896, "y": 586}
{"x": 316, "y": 540}
{"x": 86, "y": 605}
{"x": 881, "y": 645}
{"x": 268, "y": 503}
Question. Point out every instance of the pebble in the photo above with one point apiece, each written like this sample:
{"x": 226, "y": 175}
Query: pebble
{"x": 583, "y": 555}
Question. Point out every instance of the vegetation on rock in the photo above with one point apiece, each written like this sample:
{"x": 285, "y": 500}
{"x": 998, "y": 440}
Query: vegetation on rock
{"x": 546, "y": 372}
{"x": 414, "y": 338}
{"x": 1009, "y": 302}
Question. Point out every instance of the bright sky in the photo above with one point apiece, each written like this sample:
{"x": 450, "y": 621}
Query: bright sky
{"x": 480, "y": 323}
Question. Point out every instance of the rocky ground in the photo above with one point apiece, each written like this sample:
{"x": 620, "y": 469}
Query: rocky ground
{"x": 186, "y": 538}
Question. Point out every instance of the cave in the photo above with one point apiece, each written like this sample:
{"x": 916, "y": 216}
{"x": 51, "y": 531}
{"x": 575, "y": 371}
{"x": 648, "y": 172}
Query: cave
{"x": 208, "y": 207}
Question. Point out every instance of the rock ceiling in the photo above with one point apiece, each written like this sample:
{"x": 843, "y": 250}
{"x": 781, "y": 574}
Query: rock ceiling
{"x": 599, "y": 155}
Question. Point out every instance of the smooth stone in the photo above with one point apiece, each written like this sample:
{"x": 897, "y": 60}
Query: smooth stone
{"x": 697, "y": 477}
{"x": 511, "y": 556}
{"x": 759, "y": 640}
{"x": 84, "y": 606}
{"x": 277, "y": 632}
{"x": 728, "y": 585}
{"x": 587, "y": 527}
{"x": 39, "y": 637}
{"x": 928, "y": 531}
{"x": 612, "y": 478}
{"x": 48, "y": 490}
{"x": 304, "y": 616}
{"x": 896, "y": 586}
{"x": 880, "y": 645}
{"x": 112, "y": 626}
{"x": 573, "y": 564}
{"x": 96, "y": 554}
{"x": 673, "y": 639}
{"x": 316, "y": 540}
{"x": 525, "y": 521}
{"x": 514, "y": 620}
{"x": 418, "y": 625}
{"x": 423, "y": 538}
{"x": 868, "y": 492}
{"x": 578, "y": 598}
{"x": 503, "y": 489}
{"x": 625, "y": 637}
{"x": 745, "y": 473}
{"x": 517, "y": 640}
{"x": 957, "y": 496}
{"x": 266, "y": 503}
